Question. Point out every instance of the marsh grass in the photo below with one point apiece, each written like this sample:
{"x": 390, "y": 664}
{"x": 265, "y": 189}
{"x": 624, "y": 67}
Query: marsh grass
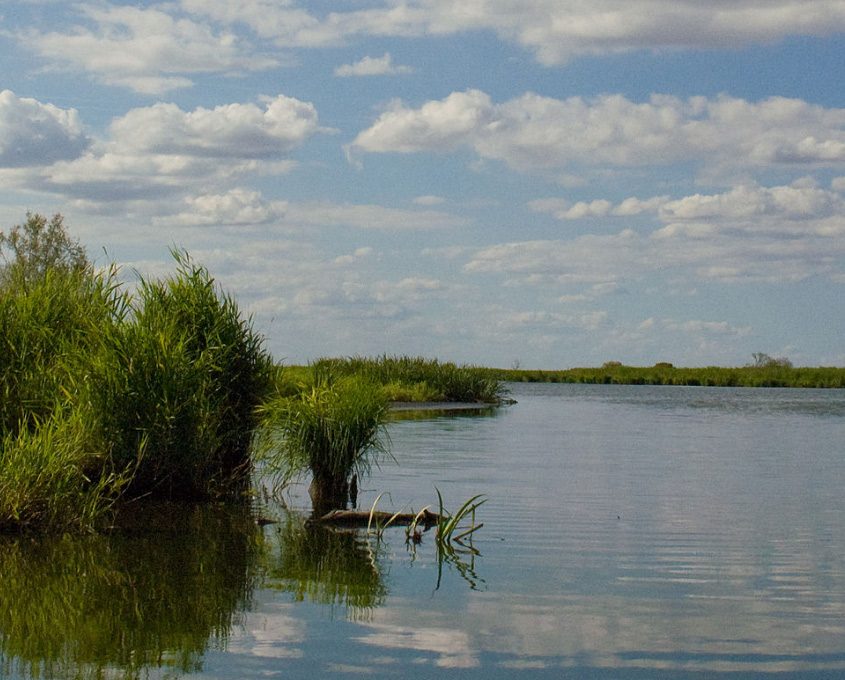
{"x": 406, "y": 378}
{"x": 614, "y": 373}
{"x": 178, "y": 385}
{"x": 334, "y": 429}
{"x": 49, "y": 327}
{"x": 53, "y": 474}
{"x": 105, "y": 393}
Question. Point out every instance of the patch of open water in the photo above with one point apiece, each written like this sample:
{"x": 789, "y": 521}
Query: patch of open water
{"x": 630, "y": 532}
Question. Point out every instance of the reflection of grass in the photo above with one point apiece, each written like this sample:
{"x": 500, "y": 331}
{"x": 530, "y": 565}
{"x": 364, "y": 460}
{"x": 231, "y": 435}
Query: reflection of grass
{"x": 152, "y": 596}
{"x": 325, "y": 566}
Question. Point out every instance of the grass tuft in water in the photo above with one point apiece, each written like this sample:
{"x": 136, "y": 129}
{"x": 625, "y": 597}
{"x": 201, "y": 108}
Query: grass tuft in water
{"x": 334, "y": 429}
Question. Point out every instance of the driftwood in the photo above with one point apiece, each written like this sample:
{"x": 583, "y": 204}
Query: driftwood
{"x": 360, "y": 518}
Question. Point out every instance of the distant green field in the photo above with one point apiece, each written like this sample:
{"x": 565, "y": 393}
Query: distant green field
{"x": 666, "y": 374}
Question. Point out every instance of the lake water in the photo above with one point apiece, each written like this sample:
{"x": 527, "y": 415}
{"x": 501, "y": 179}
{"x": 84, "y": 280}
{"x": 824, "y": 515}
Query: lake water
{"x": 630, "y": 532}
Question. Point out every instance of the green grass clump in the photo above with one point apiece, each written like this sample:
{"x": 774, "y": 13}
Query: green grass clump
{"x": 49, "y": 326}
{"x": 334, "y": 429}
{"x": 105, "y": 393}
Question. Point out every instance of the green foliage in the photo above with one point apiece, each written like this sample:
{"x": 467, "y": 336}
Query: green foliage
{"x": 417, "y": 378}
{"x": 97, "y": 385}
{"x": 47, "y": 334}
{"x": 178, "y": 386}
{"x": 53, "y": 473}
{"x": 772, "y": 375}
{"x": 335, "y": 429}
{"x": 36, "y": 247}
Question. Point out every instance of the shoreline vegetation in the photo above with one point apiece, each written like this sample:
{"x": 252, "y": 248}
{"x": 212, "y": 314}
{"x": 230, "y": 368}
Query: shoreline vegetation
{"x": 766, "y": 373}
{"x": 111, "y": 395}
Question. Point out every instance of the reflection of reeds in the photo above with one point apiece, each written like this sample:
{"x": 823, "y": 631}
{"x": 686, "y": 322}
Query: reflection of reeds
{"x": 154, "y": 594}
{"x": 331, "y": 567}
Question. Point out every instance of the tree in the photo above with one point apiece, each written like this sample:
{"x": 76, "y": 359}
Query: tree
{"x": 33, "y": 248}
{"x": 763, "y": 360}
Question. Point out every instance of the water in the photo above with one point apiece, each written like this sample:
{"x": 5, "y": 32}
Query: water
{"x": 630, "y": 532}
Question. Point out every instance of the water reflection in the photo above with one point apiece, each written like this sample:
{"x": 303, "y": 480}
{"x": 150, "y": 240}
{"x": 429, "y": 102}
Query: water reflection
{"x": 339, "y": 568}
{"x": 156, "y": 595}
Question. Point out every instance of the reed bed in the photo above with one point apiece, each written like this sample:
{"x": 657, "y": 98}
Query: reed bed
{"x": 106, "y": 396}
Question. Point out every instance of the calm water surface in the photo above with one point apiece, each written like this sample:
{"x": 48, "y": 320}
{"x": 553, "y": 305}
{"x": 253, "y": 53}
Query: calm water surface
{"x": 630, "y": 532}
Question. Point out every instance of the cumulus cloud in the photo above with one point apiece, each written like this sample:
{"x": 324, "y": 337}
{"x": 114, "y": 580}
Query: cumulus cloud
{"x": 375, "y": 217}
{"x": 235, "y": 207}
{"x": 564, "y": 210}
{"x": 144, "y": 49}
{"x": 436, "y": 126}
{"x": 160, "y": 151}
{"x": 554, "y": 30}
{"x": 372, "y": 66}
{"x": 35, "y": 134}
{"x": 242, "y": 131}
{"x": 750, "y": 233}
{"x": 536, "y": 133}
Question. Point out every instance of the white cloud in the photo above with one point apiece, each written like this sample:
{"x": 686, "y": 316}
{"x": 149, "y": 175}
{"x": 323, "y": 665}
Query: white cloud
{"x": 236, "y": 207}
{"x": 158, "y": 151}
{"x": 370, "y": 217}
{"x": 372, "y": 66}
{"x": 535, "y": 133}
{"x": 35, "y": 134}
{"x": 145, "y": 49}
{"x": 429, "y": 200}
{"x": 798, "y": 209}
{"x": 555, "y": 30}
{"x": 750, "y": 233}
{"x": 242, "y": 131}
{"x": 437, "y": 126}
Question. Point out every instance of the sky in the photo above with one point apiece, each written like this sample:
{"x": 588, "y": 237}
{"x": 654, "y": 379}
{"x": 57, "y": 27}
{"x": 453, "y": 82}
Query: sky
{"x": 532, "y": 183}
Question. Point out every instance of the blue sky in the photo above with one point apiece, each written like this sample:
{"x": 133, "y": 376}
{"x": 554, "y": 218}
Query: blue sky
{"x": 544, "y": 182}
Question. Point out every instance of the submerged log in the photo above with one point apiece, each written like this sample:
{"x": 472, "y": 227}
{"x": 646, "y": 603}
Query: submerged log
{"x": 361, "y": 518}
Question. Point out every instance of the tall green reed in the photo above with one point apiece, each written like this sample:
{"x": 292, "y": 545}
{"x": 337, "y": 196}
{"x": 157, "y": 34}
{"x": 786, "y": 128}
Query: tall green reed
{"x": 177, "y": 387}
